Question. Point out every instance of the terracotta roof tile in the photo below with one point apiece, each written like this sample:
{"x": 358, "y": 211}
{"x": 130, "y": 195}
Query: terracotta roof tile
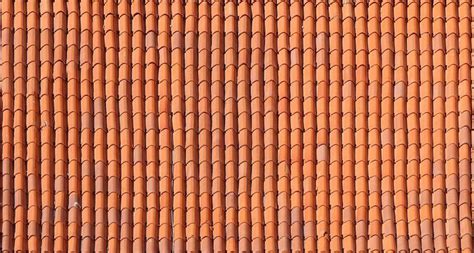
{"x": 236, "y": 126}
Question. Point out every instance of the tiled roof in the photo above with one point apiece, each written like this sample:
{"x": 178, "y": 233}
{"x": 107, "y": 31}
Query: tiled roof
{"x": 236, "y": 125}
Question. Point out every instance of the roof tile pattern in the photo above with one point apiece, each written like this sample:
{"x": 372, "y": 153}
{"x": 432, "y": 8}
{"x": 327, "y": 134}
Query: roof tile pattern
{"x": 276, "y": 125}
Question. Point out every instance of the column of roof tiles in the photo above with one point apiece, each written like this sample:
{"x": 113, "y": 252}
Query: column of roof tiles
{"x": 217, "y": 125}
{"x": 270, "y": 126}
{"x": 111, "y": 117}
{"x": 191, "y": 123}
{"x": 19, "y": 126}
{"x": 283, "y": 169}
{"x": 322, "y": 119}
{"x": 426, "y": 125}
{"x": 361, "y": 111}
{"x": 472, "y": 107}
{"x": 100, "y": 129}
{"x": 309, "y": 126}
{"x": 464, "y": 109}
{"x": 7, "y": 78}
{"x": 387, "y": 39}
{"x": 256, "y": 114}
{"x": 151, "y": 129}
{"x": 413, "y": 125}
{"x": 452, "y": 126}
{"x": 60, "y": 126}
{"x": 87, "y": 130}
{"x": 178, "y": 125}
{"x": 46, "y": 125}
{"x": 373, "y": 126}
{"x": 439, "y": 126}
{"x": 204, "y": 119}
{"x": 348, "y": 93}
{"x": 400, "y": 124}
{"x": 32, "y": 126}
{"x": 164, "y": 126}
{"x": 472, "y": 104}
{"x": 243, "y": 126}
{"x": 230, "y": 131}
{"x": 73, "y": 126}
{"x": 464, "y": 140}
{"x": 120, "y": 15}
{"x": 231, "y": 138}
{"x": 335, "y": 124}
{"x": 138, "y": 122}
{"x": 204, "y": 127}
{"x": 1, "y": 109}
{"x": 296, "y": 125}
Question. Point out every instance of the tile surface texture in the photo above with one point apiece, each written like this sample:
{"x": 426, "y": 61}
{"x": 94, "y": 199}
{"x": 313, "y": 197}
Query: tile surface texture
{"x": 236, "y": 125}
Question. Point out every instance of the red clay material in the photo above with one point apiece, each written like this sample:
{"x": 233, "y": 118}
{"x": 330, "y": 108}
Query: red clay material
{"x": 225, "y": 125}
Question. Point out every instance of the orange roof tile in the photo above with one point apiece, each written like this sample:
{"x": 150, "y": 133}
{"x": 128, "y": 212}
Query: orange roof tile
{"x": 236, "y": 125}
